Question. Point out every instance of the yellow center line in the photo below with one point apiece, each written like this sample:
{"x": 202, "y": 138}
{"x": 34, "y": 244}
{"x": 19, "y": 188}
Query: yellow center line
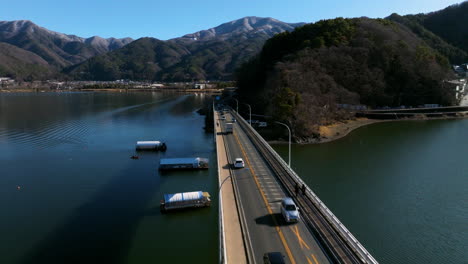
{"x": 313, "y": 256}
{"x": 280, "y": 233}
{"x": 308, "y": 260}
{"x": 300, "y": 244}
{"x": 301, "y": 241}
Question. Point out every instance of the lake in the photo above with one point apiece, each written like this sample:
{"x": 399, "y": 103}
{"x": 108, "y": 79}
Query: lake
{"x": 400, "y": 187}
{"x": 70, "y": 193}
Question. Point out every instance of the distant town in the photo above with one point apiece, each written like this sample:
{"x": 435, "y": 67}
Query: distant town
{"x": 8, "y": 84}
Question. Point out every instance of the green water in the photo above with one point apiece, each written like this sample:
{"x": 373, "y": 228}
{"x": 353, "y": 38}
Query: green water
{"x": 69, "y": 192}
{"x": 401, "y": 187}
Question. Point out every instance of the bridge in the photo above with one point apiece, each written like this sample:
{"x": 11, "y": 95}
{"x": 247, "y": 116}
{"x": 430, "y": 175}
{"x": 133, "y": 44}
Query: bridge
{"x": 250, "y": 220}
{"x": 432, "y": 112}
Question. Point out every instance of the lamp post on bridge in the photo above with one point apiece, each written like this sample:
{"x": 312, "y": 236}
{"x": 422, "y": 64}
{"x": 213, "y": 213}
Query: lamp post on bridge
{"x": 237, "y": 105}
{"x": 250, "y": 114}
{"x": 289, "y": 130}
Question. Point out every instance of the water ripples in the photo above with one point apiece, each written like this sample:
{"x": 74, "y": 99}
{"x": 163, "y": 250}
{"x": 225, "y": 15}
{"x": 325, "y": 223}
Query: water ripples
{"x": 53, "y": 133}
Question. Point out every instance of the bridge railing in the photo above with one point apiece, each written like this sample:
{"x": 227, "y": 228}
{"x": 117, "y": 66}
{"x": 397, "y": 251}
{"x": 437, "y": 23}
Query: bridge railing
{"x": 365, "y": 256}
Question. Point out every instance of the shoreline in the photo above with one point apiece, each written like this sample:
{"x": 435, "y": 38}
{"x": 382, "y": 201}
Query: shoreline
{"x": 340, "y": 130}
{"x": 116, "y": 90}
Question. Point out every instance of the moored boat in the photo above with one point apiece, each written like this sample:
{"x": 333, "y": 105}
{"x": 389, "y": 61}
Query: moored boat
{"x": 151, "y": 145}
{"x": 185, "y": 200}
{"x": 183, "y": 163}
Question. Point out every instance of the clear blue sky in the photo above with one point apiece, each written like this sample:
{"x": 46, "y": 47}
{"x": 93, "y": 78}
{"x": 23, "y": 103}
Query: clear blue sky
{"x": 174, "y": 18}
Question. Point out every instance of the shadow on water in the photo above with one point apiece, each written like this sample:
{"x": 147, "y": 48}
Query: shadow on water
{"x": 184, "y": 212}
{"x": 101, "y": 230}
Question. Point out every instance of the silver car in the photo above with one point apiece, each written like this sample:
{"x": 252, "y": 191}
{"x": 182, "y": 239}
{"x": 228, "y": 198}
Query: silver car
{"x": 289, "y": 210}
{"x": 239, "y": 163}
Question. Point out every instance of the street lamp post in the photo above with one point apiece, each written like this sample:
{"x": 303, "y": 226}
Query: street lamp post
{"x": 250, "y": 114}
{"x": 289, "y": 130}
{"x": 237, "y": 105}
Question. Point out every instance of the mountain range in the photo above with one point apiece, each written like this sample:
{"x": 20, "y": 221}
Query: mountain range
{"x": 211, "y": 54}
{"x": 27, "y": 48}
{"x": 59, "y": 50}
{"x": 207, "y": 54}
{"x": 31, "y": 52}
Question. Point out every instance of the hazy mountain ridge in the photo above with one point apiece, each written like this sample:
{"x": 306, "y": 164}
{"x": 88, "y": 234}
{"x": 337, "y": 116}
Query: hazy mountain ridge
{"x": 58, "y": 49}
{"x": 246, "y": 26}
{"x": 207, "y": 54}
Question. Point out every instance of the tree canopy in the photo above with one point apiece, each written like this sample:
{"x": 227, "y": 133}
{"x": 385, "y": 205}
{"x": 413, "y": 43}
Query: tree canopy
{"x": 303, "y": 76}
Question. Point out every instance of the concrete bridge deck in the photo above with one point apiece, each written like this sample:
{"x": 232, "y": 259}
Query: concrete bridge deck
{"x": 318, "y": 237}
{"x": 232, "y": 249}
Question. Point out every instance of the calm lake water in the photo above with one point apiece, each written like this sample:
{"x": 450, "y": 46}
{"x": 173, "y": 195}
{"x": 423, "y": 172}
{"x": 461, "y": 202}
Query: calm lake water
{"x": 69, "y": 192}
{"x": 400, "y": 187}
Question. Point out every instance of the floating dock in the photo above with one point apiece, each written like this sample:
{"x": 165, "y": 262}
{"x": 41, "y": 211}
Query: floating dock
{"x": 151, "y": 145}
{"x": 185, "y": 200}
{"x": 183, "y": 163}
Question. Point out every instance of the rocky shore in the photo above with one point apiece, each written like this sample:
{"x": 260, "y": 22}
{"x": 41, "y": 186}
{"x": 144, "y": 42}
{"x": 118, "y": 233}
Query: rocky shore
{"x": 341, "y": 129}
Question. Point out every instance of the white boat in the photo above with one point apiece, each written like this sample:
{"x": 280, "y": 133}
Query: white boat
{"x": 150, "y": 145}
{"x": 185, "y": 200}
{"x": 183, "y": 163}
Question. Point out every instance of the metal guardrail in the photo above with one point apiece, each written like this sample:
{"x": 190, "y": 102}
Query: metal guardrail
{"x": 352, "y": 242}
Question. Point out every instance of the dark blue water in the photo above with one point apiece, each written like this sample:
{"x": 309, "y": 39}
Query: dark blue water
{"x": 69, "y": 192}
{"x": 400, "y": 187}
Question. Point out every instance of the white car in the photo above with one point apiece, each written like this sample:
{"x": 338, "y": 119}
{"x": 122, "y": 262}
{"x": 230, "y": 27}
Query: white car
{"x": 239, "y": 163}
{"x": 289, "y": 210}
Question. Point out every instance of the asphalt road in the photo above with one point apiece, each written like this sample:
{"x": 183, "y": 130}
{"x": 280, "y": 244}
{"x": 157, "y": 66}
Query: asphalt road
{"x": 260, "y": 196}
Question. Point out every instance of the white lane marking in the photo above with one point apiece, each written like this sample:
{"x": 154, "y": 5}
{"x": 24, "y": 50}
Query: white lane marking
{"x": 274, "y": 198}
{"x": 272, "y": 189}
{"x": 270, "y": 186}
{"x": 274, "y": 194}
{"x": 267, "y": 182}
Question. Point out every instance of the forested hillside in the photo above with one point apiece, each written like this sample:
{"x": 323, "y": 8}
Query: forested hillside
{"x": 300, "y": 77}
{"x": 448, "y": 23}
{"x": 444, "y": 30}
{"x": 22, "y": 64}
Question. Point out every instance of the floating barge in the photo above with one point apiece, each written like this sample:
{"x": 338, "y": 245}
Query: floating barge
{"x": 185, "y": 200}
{"x": 151, "y": 145}
{"x": 183, "y": 164}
